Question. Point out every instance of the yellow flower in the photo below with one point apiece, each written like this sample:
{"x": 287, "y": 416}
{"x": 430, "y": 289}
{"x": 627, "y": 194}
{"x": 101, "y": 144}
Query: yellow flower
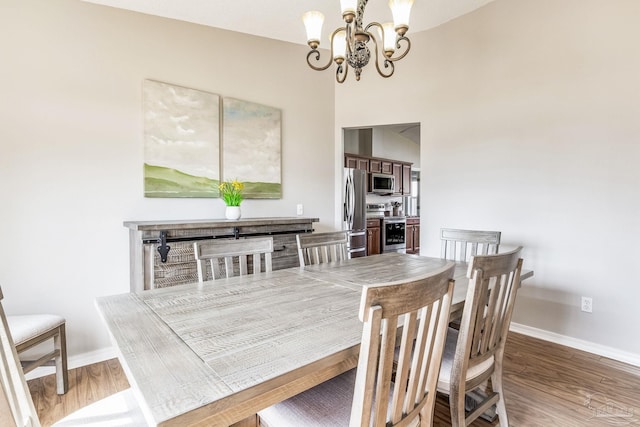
{"x": 231, "y": 192}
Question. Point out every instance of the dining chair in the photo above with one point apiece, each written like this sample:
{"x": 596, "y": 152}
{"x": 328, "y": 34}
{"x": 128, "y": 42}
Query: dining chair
{"x": 367, "y": 395}
{"x": 318, "y": 248}
{"x": 17, "y": 408}
{"x": 474, "y": 354}
{"x": 460, "y": 245}
{"x": 32, "y": 330}
{"x": 221, "y": 256}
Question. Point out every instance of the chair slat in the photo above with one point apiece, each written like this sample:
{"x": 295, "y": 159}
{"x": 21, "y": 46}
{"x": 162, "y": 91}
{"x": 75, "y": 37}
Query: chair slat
{"x": 460, "y": 245}
{"x": 230, "y": 253}
{"x": 318, "y": 248}
{"x": 400, "y": 402}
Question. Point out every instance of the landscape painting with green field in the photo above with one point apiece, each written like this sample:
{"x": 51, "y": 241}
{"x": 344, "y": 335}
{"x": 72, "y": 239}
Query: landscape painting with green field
{"x": 166, "y": 182}
{"x": 251, "y": 146}
{"x": 182, "y": 144}
{"x": 181, "y": 141}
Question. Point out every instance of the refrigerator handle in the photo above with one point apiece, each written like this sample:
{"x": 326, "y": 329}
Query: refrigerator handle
{"x": 349, "y": 202}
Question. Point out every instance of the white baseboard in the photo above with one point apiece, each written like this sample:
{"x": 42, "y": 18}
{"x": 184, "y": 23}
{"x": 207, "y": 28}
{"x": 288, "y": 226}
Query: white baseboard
{"x": 590, "y": 347}
{"x": 76, "y": 362}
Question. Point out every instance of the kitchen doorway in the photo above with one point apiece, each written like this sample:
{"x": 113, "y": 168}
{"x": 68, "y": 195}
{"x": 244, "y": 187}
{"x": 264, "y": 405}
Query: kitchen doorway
{"x": 400, "y": 142}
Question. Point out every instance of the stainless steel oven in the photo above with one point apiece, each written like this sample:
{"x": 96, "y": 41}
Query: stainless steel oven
{"x": 394, "y": 236}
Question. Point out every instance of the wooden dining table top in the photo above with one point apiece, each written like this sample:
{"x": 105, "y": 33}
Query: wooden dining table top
{"x": 215, "y": 353}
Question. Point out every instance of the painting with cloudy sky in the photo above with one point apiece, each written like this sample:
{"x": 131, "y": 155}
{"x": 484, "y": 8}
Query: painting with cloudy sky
{"x": 181, "y": 141}
{"x": 251, "y": 147}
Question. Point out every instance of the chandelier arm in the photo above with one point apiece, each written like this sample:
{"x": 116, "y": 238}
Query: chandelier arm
{"x": 373, "y": 24}
{"x": 341, "y": 72}
{"x": 348, "y": 31}
{"x": 399, "y": 43}
{"x": 317, "y": 54}
{"x": 387, "y": 63}
{"x": 399, "y": 46}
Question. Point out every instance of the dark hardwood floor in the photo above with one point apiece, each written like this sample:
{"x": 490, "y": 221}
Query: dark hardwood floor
{"x": 545, "y": 385}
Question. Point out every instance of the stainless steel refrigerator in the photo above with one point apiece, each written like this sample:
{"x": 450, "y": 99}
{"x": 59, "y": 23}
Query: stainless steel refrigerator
{"x": 354, "y": 210}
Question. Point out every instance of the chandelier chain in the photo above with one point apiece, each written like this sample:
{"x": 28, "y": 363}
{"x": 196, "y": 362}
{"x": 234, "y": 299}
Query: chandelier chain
{"x": 361, "y": 6}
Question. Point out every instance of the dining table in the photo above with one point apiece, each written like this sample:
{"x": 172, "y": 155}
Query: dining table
{"x": 216, "y": 353}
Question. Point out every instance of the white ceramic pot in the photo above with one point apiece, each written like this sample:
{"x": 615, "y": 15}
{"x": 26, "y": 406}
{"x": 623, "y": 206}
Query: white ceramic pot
{"x": 232, "y": 212}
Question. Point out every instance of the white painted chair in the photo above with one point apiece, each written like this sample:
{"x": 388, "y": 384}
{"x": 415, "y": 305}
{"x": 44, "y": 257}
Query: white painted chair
{"x": 318, "y": 248}
{"x": 30, "y": 331}
{"x": 218, "y": 257}
{"x": 16, "y": 404}
{"x": 369, "y": 395}
{"x": 474, "y": 354}
{"x": 461, "y": 245}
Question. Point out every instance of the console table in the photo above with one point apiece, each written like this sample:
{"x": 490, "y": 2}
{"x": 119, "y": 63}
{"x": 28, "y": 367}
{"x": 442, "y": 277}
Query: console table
{"x": 161, "y": 252}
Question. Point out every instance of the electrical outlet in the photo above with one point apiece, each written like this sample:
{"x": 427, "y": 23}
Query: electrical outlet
{"x": 587, "y": 304}
{"x": 299, "y": 209}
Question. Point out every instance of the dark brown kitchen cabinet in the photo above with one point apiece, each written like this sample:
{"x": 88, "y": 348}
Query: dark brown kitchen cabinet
{"x": 373, "y": 236}
{"x": 406, "y": 179}
{"x": 386, "y": 167}
{"x": 397, "y": 173}
{"x": 356, "y": 162}
{"x": 399, "y": 169}
{"x": 402, "y": 174}
{"x": 413, "y": 235}
{"x": 375, "y": 166}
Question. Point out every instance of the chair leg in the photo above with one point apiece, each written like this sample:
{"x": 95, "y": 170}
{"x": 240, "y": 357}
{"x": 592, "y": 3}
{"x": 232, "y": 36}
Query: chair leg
{"x": 501, "y": 408}
{"x": 456, "y": 407}
{"x": 62, "y": 376}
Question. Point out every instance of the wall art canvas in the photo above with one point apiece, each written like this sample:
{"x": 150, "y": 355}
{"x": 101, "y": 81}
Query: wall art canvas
{"x": 181, "y": 141}
{"x": 251, "y": 147}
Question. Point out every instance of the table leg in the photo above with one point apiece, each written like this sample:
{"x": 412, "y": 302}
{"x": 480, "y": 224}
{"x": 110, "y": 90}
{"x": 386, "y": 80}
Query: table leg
{"x": 251, "y": 421}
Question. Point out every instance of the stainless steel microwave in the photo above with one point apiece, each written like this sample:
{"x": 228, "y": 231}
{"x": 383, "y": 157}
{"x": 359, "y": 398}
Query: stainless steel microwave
{"x": 383, "y": 184}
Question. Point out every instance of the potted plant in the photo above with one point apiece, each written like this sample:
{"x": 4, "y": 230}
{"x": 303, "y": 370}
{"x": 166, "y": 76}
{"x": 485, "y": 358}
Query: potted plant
{"x": 231, "y": 193}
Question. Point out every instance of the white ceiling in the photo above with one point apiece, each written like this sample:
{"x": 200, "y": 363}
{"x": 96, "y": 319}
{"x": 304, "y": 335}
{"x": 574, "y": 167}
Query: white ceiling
{"x": 281, "y": 19}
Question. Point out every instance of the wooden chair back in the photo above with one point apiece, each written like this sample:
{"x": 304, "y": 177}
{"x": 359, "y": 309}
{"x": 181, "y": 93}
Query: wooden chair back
{"x": 421, "y": 306}
{"x": 225, "y": 258}
{"x": 493, "y": 284}
{"x": 16, "y": 405}
{"x": 318, "y": 248}
{"x": 461, "y": 245}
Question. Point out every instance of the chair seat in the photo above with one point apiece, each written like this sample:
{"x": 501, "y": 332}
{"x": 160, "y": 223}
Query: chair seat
{"x": 25, "y": 327}
{"x": 447, "y": 363}
{"x": 120, "y": 409}
{"x": 327, "y": 404}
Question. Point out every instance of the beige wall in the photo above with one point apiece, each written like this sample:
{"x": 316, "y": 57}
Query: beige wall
{"x": 392, "y": 145}
{"x": 529, "y": 112}
{"x": 72, "y": 153}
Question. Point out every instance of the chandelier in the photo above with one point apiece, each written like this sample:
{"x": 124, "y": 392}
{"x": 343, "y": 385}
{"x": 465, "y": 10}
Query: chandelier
{"x": 350, "y": 44}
